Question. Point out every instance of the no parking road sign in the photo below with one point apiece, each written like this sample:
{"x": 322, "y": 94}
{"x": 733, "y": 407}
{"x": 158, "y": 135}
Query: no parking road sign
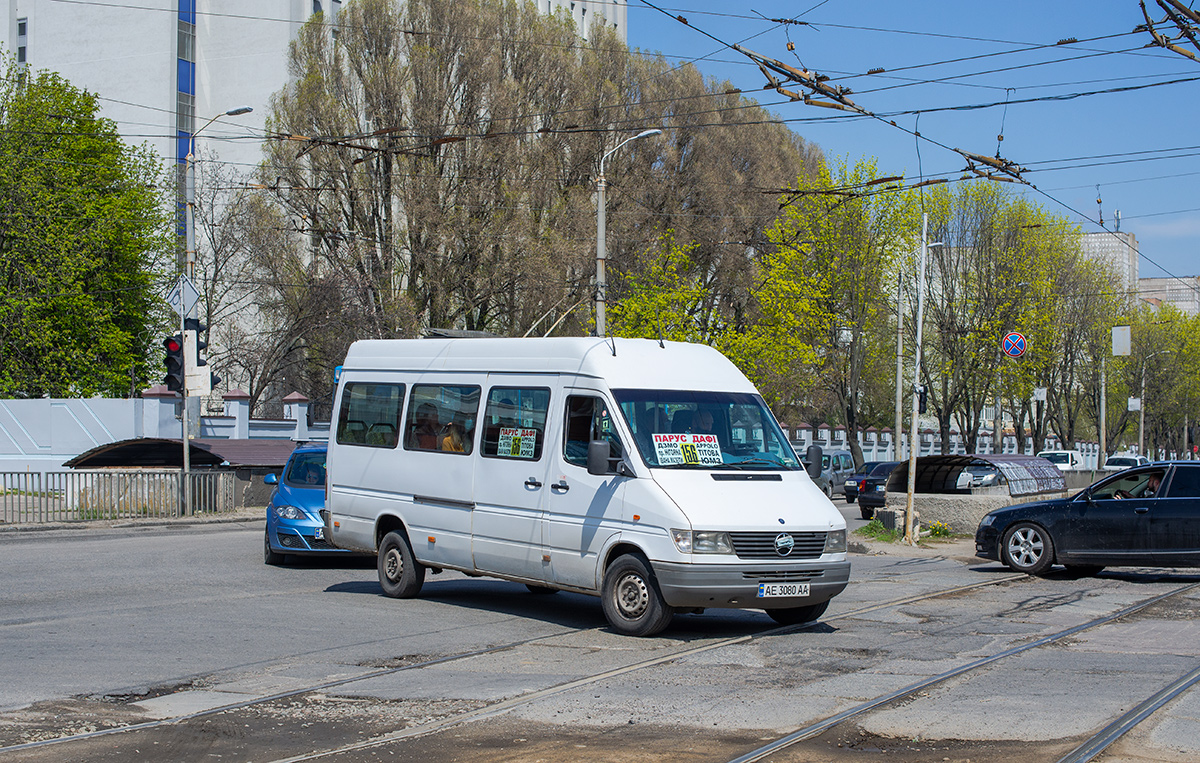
{"x": 1014, "y": 344}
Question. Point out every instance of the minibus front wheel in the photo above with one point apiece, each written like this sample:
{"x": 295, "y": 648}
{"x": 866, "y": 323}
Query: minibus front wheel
{"x": 400, "y": 574}
{"x": 632, "y": 602}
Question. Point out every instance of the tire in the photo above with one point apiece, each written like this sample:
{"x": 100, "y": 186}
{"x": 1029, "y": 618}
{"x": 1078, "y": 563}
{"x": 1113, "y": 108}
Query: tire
{"x": 1027, "y": 548}
{"x": 797, "y": 615}
{"x": 850, "y": 499}
{"x": 270, "y": 556}
{"x": 829, "y": 491}
{"x": 400, "y": 574}
{"x": 866, "y": 511}
{"x": 632, "y": 603}
{"x": 540, "y": 590}
{"x": 1084, "y": 570}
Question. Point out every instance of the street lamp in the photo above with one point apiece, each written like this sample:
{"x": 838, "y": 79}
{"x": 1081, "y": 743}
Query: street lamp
{"x": 1142, "y": 404}
{"x": 601, "y": 251}
{"x": 190, "y": 190}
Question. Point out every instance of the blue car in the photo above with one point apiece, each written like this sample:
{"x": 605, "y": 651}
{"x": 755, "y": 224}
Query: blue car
{"x": 293, "y": 514}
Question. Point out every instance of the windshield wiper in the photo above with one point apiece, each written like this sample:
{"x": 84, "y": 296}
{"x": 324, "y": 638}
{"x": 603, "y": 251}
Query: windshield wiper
{"x": 756, "y": 460}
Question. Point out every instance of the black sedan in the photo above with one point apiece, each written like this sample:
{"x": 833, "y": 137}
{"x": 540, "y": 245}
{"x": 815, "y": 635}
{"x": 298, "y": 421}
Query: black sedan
{"x": 858, "y": 476}
{"x": 872, "y": 489}
{"x": 1147, "y": 516}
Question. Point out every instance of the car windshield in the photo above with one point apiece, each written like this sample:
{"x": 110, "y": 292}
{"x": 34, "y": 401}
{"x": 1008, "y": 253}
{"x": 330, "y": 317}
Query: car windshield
{"x": 1054, "y": 458}
{"x": 884, "y": 469}
{"x": 1121, "y": 461}
{"x": 704, "y": 430}
{"x": 307, "y": 470}
{"x": 868, "y": 467}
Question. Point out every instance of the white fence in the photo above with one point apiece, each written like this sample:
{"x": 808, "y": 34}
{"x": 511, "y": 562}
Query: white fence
{"x": 79, "y": 496}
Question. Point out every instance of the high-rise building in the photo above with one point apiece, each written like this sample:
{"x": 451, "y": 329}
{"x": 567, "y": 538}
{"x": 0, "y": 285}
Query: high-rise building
{"x": 162, "y": 68}
{"x": 1119, "y": 253}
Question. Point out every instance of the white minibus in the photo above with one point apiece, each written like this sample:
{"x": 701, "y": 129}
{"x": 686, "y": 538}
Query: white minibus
{"x": 650, "y": 474}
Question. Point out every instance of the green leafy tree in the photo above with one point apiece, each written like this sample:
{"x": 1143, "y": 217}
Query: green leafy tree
{"x": 82, "y": 233}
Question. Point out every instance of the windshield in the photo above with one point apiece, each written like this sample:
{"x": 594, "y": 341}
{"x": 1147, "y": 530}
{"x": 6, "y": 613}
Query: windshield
{"x": 704, "y": 430}
{"x": 307, "y": 470}
{"x": 1055, "y": 458}
{"x": 1121, "y": 461}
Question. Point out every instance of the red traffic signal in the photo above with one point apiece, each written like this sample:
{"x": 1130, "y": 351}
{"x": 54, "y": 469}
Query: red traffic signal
{"x": 173, "y": 360}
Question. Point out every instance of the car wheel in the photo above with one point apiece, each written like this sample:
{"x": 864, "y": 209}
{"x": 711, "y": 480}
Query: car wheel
{"x": 400, "y": 574}
{"x": 866, "y": 511}
{"x": 270, "y": 556}
{"x": 632, "y": 602}
{"x": 850, "y": 499}
{"x": 829, "y": 491}
{"x": 540, "y": 590}
{"x": 1084, "y": 570}
{"x": 1027, "y": 548}
{"x": 797, "y": 615}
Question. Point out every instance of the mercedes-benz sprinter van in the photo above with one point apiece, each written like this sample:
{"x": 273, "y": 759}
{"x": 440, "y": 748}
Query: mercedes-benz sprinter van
{"x": 650, "y": 474}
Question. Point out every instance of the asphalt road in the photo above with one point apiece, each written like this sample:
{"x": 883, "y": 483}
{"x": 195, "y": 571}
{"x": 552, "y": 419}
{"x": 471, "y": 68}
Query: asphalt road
{"x": 128, "y": 625}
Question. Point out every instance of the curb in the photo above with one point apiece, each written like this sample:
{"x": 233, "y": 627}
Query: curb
{"x": 33, "y": 527}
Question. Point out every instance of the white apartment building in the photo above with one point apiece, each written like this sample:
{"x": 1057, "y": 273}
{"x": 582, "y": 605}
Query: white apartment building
{"x": 1183, "y": 292}
{"x": 162, "y": 68}
{"x": 1119, "y": 251}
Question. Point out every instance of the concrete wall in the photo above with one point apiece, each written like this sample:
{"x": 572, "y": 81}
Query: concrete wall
{"x": 39, "y": 435}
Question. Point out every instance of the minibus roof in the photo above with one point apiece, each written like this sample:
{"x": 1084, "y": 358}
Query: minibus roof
{"x": 621, "y": 363}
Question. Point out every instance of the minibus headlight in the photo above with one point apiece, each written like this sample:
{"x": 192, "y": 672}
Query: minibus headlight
{"x": 290, "y": 512}
{"x": 702, "y": 542}
{"x": 711, "y": 542}
{"x": 835, "y": 542}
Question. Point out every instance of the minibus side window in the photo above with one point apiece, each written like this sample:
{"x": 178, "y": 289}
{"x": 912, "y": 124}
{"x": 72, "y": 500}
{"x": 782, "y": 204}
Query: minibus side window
{"x": 370, "y": 415}
{"x": 588, "y": 419}
{"x": 514, "y": 423}
{"x": 441, "y": 417}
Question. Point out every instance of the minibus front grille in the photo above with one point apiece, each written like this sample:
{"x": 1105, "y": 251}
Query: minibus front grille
{"x": 783, "y": 576}
{"x": 762, "y": 545}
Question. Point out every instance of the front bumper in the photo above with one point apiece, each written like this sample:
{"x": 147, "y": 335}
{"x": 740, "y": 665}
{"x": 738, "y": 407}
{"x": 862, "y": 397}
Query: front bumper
{"x": 728, "y": 586}
{"x": 300, "y": 538}
{"x": 987, "y": 543}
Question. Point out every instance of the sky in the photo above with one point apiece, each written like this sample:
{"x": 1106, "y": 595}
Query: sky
{"x": 1140, "y": 146}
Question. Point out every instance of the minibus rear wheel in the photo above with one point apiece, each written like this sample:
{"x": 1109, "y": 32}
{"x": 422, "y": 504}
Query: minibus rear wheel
{"x": 797, "y": 615}
{"x": 400, "y": 575}
{"x": 632, "y": 602}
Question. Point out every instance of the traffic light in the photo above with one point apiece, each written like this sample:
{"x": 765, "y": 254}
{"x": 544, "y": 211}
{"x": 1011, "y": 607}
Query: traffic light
{"x": 200, "y": 380}
{"x": 174, "y": 362}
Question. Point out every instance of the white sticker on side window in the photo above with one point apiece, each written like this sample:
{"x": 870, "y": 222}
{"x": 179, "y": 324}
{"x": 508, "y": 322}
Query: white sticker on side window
{"x": 703, "y": 449}
{"x": 516, "y": 443}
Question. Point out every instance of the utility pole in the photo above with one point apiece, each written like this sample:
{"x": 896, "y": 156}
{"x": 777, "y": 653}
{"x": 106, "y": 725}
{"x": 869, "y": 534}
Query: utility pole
{"x": 898, "y": 431}
{"x": 916, "y": 390}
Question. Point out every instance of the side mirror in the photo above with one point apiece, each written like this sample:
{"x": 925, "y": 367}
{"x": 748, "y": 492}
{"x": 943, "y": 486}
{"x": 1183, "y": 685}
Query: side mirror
{"x": 599, "y": 455}
{"x": 813, "y": 456}
{"x": 600, "y": 461}
{"x": 271, "y": 479}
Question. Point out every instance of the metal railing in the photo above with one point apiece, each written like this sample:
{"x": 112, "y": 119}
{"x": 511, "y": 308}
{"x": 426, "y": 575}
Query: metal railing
{"x": 80, "y": 496}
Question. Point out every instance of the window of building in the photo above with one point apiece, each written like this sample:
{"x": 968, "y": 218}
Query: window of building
{"x": 441, "y": 418}
{"x": 186, "y": 41}
{"x": 22, "y": 39}
{"x": 22, "y": 26}
{"x": 370, "y": 415}
{"x": 316, "y": 6}
{"x": 514, "y": 423}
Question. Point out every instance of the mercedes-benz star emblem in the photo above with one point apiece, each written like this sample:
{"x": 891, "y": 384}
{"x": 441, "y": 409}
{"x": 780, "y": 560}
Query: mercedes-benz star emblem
{"x": 784, "y": 544}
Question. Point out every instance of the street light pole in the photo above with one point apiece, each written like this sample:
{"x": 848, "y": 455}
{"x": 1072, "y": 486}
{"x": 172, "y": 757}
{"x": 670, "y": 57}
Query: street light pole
{"x": 601, "y": 232}
{"x": 914, "y": 446}
{"x": 190, "y": 191}
{"x": 897, "y": 433}
{"x": 189, "y": 270}
{"x": 1142, "y": 406}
